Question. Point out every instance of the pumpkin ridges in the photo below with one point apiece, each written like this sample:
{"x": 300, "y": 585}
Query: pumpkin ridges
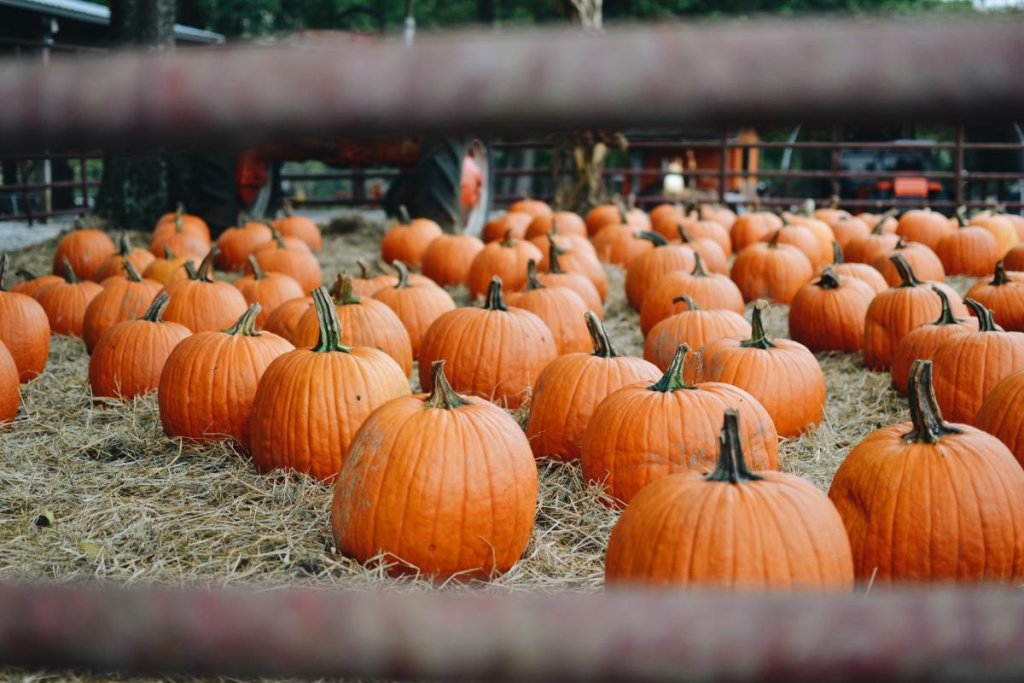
{"x": 10, "y": 394}
{"x": 561, "y": 309}
{"x": 695, "y": 327}
{"x": 201, "y": 303}
{"x": 85, "y": 250}
{"x": 416, "y": 306}
{"x": 24, "y": 328}
{"x": 66, "y": 302}
{"x": 771, "y": 270}
{"x": 1004, "y": 294}
{"x": 921, "y": 343}
{"x": 828, "y": 315}
{"x": 121, "y": 300}
{"x": 711, "y": 290}
{"x": 999, "y": 415}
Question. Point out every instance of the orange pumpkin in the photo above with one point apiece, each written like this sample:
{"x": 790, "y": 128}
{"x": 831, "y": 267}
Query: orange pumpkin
{"x": 828, "y": 315}
{"x": 236, "y": 245}
{"x": 168, "y": 269}
{"x": 923, "y": 260}
{"x": 968, "y": 250}
{"x": 65, "y": 302}
{"x": 408, "y": 240}
{"x": 285, "y": 319}
{"x": 189, "y": 238}
{"x": 868, "y": 248}
{"x": 781, "y": 374}
{"x": 565, "y": 242}
{"x": 1004, "y": 294}
{"x": 924, "y": 226}
{"x": 848, "y": 229}
{"x": 30, "y": 283}
{"x": 751, "y": 228}
{"x": 731, "y": 529}
{"x": 1000, "y": 228}
{"x": 1015, "y": 258}
{"x": 571, "y": 387}
{"x": 303, "y": 227}
{"x": 448, "y": 258}
{"x": 922, "y": 342}
{"x": 127, "y": 360}
{"x": 860, "y": 271}
{"x": 113, "y": 266}
{"x": 514, "y": 223}
{"x": 474, "y": 522}
{"x": 190, "y": 223}
{"x": 506, "y": 259}
{"x": 24, "y": 328}
{"x": 533, "y": 207}
{"x": 930, "y": 501}
{"x": 604, "y": 215}
{"x": 121, "y": 299}
{"x": 708, "y": 230}
{"x": 417, "y": 306}
{"x": 573, "y": 260}
{"x": 201, "y": 303}
{"x": 494, "y": 352}
{"x": 10, "y": 389}
{"x": 969, "y": 366}
{"x": 710, "y": 291}
{"x": 269, "y": 290}
{"x": 715, "y": 259}
{"x": 722, "y": 215}
{"x": 804, "y": 240}
{"x": 562, "y": 222}
{"x": 339, "y": 386}
{"x": 1000, "y": 414}
{"x": 577, "y": 282}
{"x": 694, "y": 327}
{"x": 665, "y": 219}
{"x": 295, "y": 261}
{"x": 771, "y": 270}
{"x": 209, "y": 381}
{"x": 366, "y": 284}
{"x": 561, "y": 309}
{"x": 364, "y": 322}
{"x": 650, "y": 266}
{"x": 85, "y": 250}
{"x": 620, "y": 243}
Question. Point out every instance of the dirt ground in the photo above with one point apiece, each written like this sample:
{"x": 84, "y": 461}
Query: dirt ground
{"x": 96, "y": 491}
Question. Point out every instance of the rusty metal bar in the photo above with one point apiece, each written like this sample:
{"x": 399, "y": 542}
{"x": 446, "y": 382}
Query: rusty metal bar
{"x": 687, "y": 144}
{"x": 764, "y": 70}
{"x": 623, "y": 636}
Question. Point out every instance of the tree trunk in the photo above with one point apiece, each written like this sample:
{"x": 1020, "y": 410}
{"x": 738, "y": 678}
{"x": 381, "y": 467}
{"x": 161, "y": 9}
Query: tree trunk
{"x": 133, "y": 190}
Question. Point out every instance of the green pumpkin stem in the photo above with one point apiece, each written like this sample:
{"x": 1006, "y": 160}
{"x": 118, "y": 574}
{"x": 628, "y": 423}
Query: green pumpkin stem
{"x": 257, "y": 271}
{"x": 443, "y": 396}
{"x": 205, "y": 271}
{"x": 342, "y": 291}
{"x": 673, "y": 380}
{"x": 69, "y": 272}
{"x": 330, "y": 326}
{"x": 599, "y": 337}
{"x": 731, "y": 467}
{"x": 652, "y": 237}
{"x": 246, "y": 325}
{"x": 837, "y": 253}
{"x": 494, "y": 301}
{"x": 155, "y": 312}
{"x": 554, "y": 251}
{"x": 698, "y": 266}
{"x": 403, "y": 274}
{"x": 532, "y": 282}
{"x": 1000, "y": 277}
{"x": 829, "y": 279}
{"x": 191, "y": 270}
{"x": 130, "y": 271}
{"x": 691, "y": 305}
{"x": 907, "y": 276}
{"x": 758, "y": 337}
{"x": 946, "y": 316}
{"x": 5, "y": 265}
{"x": 929, "y": 427}
{"x": 984, "y": 315}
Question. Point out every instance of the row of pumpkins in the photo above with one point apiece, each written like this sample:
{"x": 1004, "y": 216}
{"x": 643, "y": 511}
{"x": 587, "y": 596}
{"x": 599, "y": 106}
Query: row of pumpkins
{"x": 446, "y": 483}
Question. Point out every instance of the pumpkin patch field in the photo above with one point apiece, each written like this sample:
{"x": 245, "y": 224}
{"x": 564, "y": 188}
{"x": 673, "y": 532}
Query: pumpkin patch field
{"x": 101, "y": 476}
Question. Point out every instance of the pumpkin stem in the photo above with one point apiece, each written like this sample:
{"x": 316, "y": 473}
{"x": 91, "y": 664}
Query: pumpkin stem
{"x": 684, "y": 236}
{"x": 403, "y": 215}
{"x": 278, "y": 237}
{"x": 25, "y": 274}
{"x": 946, "y": 316}
{"x": 929, "y": 427}
{"x": 494, "y": 300}
{"x": 257, "y": 271}
{"x": 205, "y": 270}
{"x": 554, "y": 251}
{"x": 130, "y": 271}
{"x": 758, "y": 337}
{"x": 653, "y": 237}
{"x": 190, "y": 270}
{"x": 506, "y": 239}
{"x": 443, "y": 396}
{"x": 5, "y": 265}
{"x": 286, "y": 208}
{"x": 246, "y": 325}
{"x": 599, "y": 336}
{"x": 168, "y": 254}
{"x": 179, "y": 221}
{"x": 731, "y": 467}
{"x": 532, "y": 282}
{"x": 961, "y": 216}
{"x": 829, "y": 279}
{"x": 907, "y": 277}
{"x": 342, "y": 292}
{"x": 837, "y": 253}
{"x": 688, "y": 300}
{"x": 124, "y": 245}
{"x": 999, "y": 278}
{"x": 364, "y": 269}
{"x": 833, "y": 202}
{"x": 698, "y": 266}
{"x": 69, "y": 272}
{"x": 773, "y": 243}
{"x": 155, "y": 312}
{"x": 673, "y": 380}
{"x": 983, "y": 314}
{"x": 403, "y": 274}
{"x": 330, "y": 326}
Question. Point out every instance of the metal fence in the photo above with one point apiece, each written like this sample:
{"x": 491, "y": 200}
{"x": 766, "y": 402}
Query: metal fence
{"x": 36, "y": 187}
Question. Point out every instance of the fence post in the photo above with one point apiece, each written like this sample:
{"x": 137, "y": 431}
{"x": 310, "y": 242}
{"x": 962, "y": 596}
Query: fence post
{"x": 723, "y": 152}
{"x": 958, "y": 167}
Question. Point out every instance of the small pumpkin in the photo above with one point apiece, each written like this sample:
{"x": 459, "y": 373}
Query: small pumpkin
{"x": 922, "y": 342}
{"x": 201, "y": 303}
{"x": 65, "y": 302}
{"x": 448, "y": 258}
{"x": 860, "y": 271}
{"x": 566, "y": 242}
{"x": 1015, "y": 259}
{"x": 715, "y": 259}
{"x": 364, "y": 322}
{"x": 753, "y": 227}
{"x": 620, "y": 243}
{"x": 804, "y": 240}
{"x": 1000, "y": 414}
{"x": 651, "y": 266}
{"x": 711, "y": 291}
{"x": 408, "y": 240}
{"x": 338, "y": 387}
{"x": 969, "y": 366}
{"x": 783, "y": 375}
{"x": 303, "y": 227}
{"x": 888, "y": 220}
{"x": 113, "y": 266}
{"x": 695, "y": 327}
{"x": 828, "y": 314}
{"x": 190, "y": 223}
{"x": 868, "y": 248}
{"x": 968, "y": 250}
{"x": 24, "y": 328}
{"x": 1000, "y": 228}
{"x": 494, "y": 352}
{"x": 85, "y": 250}
{"x": 922, "y": 259}
{"x": 771, "y": 270}
{"x": 722, "y": 215}
{"x": 561, "y": 309}
{"x": 642, "y": 433}
{"x": 269, "y": 290}
{"x": 555, "y": 276}
{"x": 563, "y": 222}
{"x": 474, "y": 522}
{"x": 31, "y": 283}
{"x": 533, "y": 207}
{"x": 1004, "y": 294}
{"x": 708, "y": 230}
{"x": 572, "y": 260}
{"x": 926, "y": 500}
{"x": 236, "y": 245}
{"x": 10, "y": 386}
{"x": 128, "y": 358}
{"x": 366, "y": 284}
{"x": 121, "y": 299}
{"x": 297, "y": 262}
{"x": 731, "y": 529}
{"x": 514, "y": 223}
{"x": 285, "y": 319}
{"x": 506, "y": 259}
{"x": 168, "y": 269}
{"x": 848, "y": 229}
{"x": 924, "y": 226}
{"x": 180, "y": 236}
{"x": 612, "y": 213}
{"x": 209, "y": 381}
{"x": 417, "y": 306}
{"x": 571, "y": 387}
{"x": 665, "y": 218}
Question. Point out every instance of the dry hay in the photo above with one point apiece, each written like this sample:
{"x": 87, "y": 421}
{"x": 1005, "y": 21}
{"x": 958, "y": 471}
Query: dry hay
{"x": 96, "y": 491}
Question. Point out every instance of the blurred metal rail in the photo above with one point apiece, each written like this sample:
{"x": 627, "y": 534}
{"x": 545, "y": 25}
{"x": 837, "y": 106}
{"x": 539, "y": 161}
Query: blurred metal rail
{"x": 940, "y": 634}
{"x": 712, "y": 73}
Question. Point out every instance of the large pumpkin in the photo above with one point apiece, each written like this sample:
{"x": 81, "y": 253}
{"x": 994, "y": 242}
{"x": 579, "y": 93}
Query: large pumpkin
{"x": 495, "y": 352}
{"x": 448, "y": 258}
{"x": 338, "y": 387}
{"x": 930, "y": 501}
{"x": 860, "y": 271}
{"x": 24, "y": 328}
{"x": 561, "y": 309}
{"x": 209, "y": 381}
{"x": 129, "y": 357}
{"x": 84, "y": 250}
{"x": 693, "y": 326}
{"x": 1001, "y": 414}
{"x": 828, "y": 314}
{"x": 236, "y": 245}
{"x": 969, "y": 250}
{"x": 1004, "y": 294}
{"x": 751, "y": 228}
{"x": 922, "y": 342}
{"x": 641, "y": 432}
{"x": 922, "y": 259}
{"x": 506, "y": 259}
{"x": 201, "y": 303}
{"x": 570, "y": 388}
{"x": 390, "y": 498}
{"x": 121, "y": 299}
{"x": 780, "y": 373}
{"x": 924, "y": 226}
{"x": 182, "y": 234}
{"x": 731, "y": 529}
{"x": 648, "y": 268}
{"x": 408, "y": 240}
{"x": 65, "y": 302}
{"x": 417, "y": 306}
{"x": 771, "y": 270}
{"x": 711, "y": 291}
{"x": 1000, "y": 227}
